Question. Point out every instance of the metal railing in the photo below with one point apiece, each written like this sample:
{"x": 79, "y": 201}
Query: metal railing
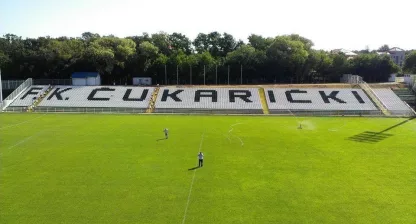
{"x": 315, "y": 113}
{"x": 16, "y": 109}
{"x": 15, "y": 93}
{"x": 205, "y": 111}
{"x": 61, "y": 82}
{"x": 89, "y": 110}
{"x": 328, "y": 112}
{"x": 11, "y": 84}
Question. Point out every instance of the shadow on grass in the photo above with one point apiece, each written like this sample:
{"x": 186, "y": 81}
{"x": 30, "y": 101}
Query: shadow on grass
{"x": 369, "y": 137}
{"x": 374, "y": 137}
{"x": 161, "y": 139}
{"x": 194, "y": 168}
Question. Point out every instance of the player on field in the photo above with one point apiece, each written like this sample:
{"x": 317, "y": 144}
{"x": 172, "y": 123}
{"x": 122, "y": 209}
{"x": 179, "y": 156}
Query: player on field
{"x": 200, "y": 159}
{"x": 166, "y": 133}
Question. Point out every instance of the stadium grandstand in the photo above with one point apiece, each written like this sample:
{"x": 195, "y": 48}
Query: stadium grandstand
{"x": 353, "y": 97}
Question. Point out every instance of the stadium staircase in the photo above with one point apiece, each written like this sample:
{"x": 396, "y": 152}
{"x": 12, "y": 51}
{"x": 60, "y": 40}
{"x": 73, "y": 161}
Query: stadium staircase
{"x": 38, "y": 100}
{"x": 263, "y": 101}
{"x": 367, "y": 89}
{"x": 407, "y": 95}
{"x": 152, "y": 101}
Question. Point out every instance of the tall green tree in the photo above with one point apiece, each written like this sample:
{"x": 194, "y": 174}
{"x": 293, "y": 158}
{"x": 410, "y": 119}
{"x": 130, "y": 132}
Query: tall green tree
{"x": 246, "y": 55}
{"x": 322, "y": 65}
{"x": 288, "y": 54}
{"x": 108, "y": 52}
{"x": 308, "y": 44}
{"x": 410, "y": 63}
{"x": 259, "y": 42}
{"x": 287, "y": 58}
{"x": 62, "y": 54}
{"x": 373, "y": 67}
{"x": 162, "y": 42}
{"x": 218, "y": 45}
{"x": 3, "y": 59}
{"x": 384, "y": 48}
{"x": 180, "y": 42}
{"x": 88, "y": 36}
{"x": 147, "y": 54}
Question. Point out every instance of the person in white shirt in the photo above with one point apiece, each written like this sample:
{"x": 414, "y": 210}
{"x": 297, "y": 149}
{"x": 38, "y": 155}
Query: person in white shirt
{"x": 166, "y": 133}
{"x": 200, "y": 159}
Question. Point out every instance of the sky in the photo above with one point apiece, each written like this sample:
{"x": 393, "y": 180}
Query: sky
{"x": 330, "y": 24}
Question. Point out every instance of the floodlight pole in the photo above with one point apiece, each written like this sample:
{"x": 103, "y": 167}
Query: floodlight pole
{"x": 228, "y": 75}
{"x": 190, "y": 74}
{"x": 204, "y": 74}
{"x": 177, "y": 75}
{"x": 216, "y": 74}
{"x": 241, "y": 75}
{"x": 166, "y": 76}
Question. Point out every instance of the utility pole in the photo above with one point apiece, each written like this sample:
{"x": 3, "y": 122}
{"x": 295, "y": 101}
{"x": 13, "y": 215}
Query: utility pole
{"x": 228, "y": 75}
{"x": 204, "y": 74}
{"x": 216, "y": 74}
{"x": 166, "y": 76}
{"x": 241, "y": 74}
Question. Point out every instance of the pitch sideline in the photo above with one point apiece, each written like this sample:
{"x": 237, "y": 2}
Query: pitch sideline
{"x": 192, "y": 183}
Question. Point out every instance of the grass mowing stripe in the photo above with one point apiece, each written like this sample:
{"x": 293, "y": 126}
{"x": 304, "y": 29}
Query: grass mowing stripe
{"x": 22, "y": 141}
{"x": 192, "y": 183}
{"x": 21, "y": 122}
{"x": 28, "y": 138}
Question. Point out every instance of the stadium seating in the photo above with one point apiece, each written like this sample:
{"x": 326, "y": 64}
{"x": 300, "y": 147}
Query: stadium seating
{"x": 224, "y": 100}
{"x": 28, "y": 96}
{"x": 327, "y": 101}
{"x": 98, "y": 97}
{"x": 392, "y": 102}
{"x": 218, "y": 100}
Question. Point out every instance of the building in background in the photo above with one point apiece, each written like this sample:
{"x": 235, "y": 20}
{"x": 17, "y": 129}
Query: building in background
{"x": 396, "y": 54}
{"x": 142, "y": 81}
{"x": 86, "y": 79}
{"x": 347, "y": 53}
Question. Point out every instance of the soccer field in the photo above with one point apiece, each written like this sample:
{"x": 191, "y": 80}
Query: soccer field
{"x": 88, "y": 168}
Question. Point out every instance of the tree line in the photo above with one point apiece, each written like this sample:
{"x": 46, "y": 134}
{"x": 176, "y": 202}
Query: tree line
{"x": 174, "y": 58}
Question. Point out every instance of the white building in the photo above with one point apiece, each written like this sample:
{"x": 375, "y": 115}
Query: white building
{"x": 396, "y": 54}
{"x": 347, "y": 53}
{"x": 86, "y": 79}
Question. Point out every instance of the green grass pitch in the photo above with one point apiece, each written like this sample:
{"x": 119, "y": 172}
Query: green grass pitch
{"x": 69, "y": 168}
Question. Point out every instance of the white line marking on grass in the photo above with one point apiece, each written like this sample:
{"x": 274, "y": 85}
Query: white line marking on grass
{"x": 241, "y": 141}
{"x": 21, "y": 122}
{"x": 22, "y": 141}
{"x": 231, "y": 129}
{"x": 192, "y": 183}
{"x": 338, "y": 128}
{"x": 34, "y": 135}
{"x": 227, "y": 138}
